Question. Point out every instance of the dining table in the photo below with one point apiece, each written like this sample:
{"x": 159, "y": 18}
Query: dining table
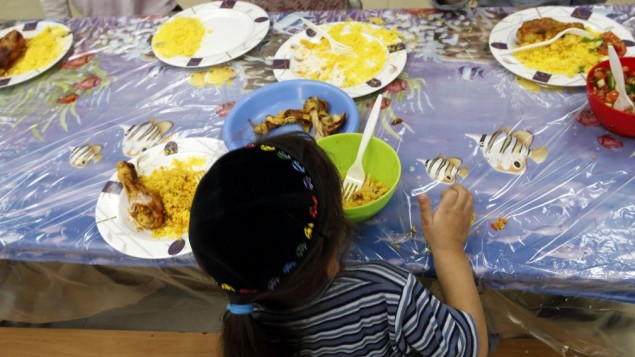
{"x": 560, "y": 221}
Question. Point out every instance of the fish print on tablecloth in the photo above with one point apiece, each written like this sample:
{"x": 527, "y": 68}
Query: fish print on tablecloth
{"x": 398, "y": 85}
{"x": 89, "y": 82}
{"x": 471, "y": 73}
{"x": 215, "y": 76}
{"x": 140, "y": 137}
{"x": 78, "y": 62}
{"x": 68, "y": 99}
{"x": 444, "y": 169}
{"x": 610, "y": 142}
{"x": 586, "y": 117}
{"x": 224, "y": 108}
{"x": 84, "y": 154}
{"x": 507, "y": 151}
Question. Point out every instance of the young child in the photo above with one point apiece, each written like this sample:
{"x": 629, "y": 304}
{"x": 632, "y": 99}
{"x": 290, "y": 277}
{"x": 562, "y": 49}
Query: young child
{"x": 267, "y": 224}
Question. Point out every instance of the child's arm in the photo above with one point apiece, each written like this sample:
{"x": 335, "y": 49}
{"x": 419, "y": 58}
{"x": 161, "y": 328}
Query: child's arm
{"x": 446, "y": 230}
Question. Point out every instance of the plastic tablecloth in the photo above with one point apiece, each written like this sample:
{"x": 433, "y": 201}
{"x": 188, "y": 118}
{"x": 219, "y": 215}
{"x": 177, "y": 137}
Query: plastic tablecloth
{"x": 570, "y": 218}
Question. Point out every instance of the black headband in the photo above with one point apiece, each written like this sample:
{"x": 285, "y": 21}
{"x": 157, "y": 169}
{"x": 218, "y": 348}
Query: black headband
{"x": 252, "y": 218}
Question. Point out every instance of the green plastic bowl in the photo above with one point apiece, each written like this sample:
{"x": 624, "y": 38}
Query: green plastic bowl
{"x": 380, "y": 161}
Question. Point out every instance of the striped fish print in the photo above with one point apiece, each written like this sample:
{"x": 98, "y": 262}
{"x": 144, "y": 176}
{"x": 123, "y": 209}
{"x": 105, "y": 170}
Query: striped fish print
{"x": 507, "y": 151}
{"x": 83, "y": 155}
{"x": 140, "y": 137}
{"x": 444, "y": 169}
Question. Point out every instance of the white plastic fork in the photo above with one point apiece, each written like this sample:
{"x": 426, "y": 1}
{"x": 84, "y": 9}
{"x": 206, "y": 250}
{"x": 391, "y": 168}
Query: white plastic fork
{"x": 355, "y": 175}
{"x": 571, "y": 30}
{"x": 335, "y": 45}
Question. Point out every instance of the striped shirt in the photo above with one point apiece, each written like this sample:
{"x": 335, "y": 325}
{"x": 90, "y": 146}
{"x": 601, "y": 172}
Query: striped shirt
{"x": 377, "y": 309}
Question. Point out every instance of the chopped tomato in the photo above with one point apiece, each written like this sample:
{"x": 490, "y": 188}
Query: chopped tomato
{"x": 610, "y": 38}
{"x": 599, "y": 73}
{"x": 611, "y": 96}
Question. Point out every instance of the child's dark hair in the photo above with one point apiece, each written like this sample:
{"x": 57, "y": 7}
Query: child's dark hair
{"x": 243, "y": 335}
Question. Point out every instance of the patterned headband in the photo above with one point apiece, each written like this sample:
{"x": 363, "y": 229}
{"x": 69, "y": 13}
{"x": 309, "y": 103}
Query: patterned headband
{"x": 253, "y": 218}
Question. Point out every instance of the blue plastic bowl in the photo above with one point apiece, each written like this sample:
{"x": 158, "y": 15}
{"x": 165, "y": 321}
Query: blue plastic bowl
{"x": 273, "y": 98}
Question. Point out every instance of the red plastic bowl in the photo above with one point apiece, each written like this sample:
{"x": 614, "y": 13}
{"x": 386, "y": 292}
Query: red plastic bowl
{"x": 613, "y": 120}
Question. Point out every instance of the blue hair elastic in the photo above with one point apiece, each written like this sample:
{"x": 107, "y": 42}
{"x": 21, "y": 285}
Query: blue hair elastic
{"x": 238, "y": 309}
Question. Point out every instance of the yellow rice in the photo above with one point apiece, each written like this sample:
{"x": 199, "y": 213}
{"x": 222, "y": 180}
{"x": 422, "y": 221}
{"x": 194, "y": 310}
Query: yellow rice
{"x": 370, "y": 191}
{"x": 568, "y": 56}
{"x": 176, "y": 185}
{"x": 41, "y": 50}
{"x": 316, "y": 61}
{"x": 179, "y": 37}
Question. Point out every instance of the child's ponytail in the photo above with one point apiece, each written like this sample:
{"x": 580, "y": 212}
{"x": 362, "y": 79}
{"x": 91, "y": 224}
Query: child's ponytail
{"x": 243, "y": 337}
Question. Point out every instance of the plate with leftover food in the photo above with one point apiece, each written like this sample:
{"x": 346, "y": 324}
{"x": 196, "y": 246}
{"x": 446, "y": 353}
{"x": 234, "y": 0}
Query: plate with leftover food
{"x": 379, "y": 57}
{"x": 29, "y": 49}
{"x": 144, "y": 208}
{"x": 317, "y": 108}
{"x": 565, "y": 62}
{"x": 210, "y": 33}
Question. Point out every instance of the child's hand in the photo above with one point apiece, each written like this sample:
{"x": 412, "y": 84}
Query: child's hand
{"x": 446, "y": 229}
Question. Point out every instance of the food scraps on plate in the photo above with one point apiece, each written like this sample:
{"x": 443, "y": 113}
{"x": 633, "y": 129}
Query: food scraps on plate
{"x": 314, "y": 114}
{"x": 315, "y": 60}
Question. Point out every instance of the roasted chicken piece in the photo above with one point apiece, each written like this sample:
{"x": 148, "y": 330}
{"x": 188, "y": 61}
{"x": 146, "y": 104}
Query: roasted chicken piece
{"x": 12, "y": 47}
{"x": 329, "y": 124}
{"x": 324, "y": 123}
{"x": 145, "y": 206}
{"x": 314, "y": 114}
{"x": 543, "y": 29}
{"x": 289, "y": 116}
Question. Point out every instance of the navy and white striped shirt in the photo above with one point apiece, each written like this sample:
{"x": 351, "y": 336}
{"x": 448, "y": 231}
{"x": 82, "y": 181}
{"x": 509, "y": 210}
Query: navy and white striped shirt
{"x": 377, "y": 309}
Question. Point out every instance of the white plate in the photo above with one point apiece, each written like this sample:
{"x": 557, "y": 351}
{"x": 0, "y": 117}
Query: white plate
{"x": 503, "y": 37}
{"x": 29, "y": 30}
{"x": 232, "y": 29}
{"x": 284, "y": 63}
{"x": 115, "y": 224}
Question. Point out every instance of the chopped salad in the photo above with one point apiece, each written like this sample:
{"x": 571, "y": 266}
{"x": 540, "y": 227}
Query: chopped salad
{"x": 603, "y": 85}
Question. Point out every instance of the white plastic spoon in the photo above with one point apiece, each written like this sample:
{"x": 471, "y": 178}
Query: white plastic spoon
{"x": 623, "y": 102}
{"x": 571, "y": 30}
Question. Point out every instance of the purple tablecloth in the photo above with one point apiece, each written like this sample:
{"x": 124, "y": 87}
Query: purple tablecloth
{"x": 571, "y": 217}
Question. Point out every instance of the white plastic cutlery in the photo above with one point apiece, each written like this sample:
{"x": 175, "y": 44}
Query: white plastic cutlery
{"x": 623, "y": 102}
{"x": 572, "y": 30}
{"x": 335, "y": 46}
{"x": 355, "y": 175}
